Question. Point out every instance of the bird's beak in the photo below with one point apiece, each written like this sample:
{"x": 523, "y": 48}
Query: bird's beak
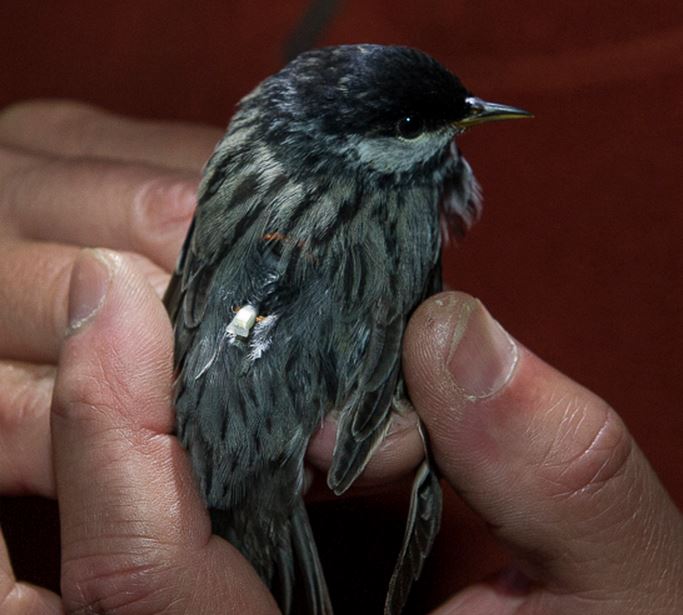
{"x": 481, "y": 111}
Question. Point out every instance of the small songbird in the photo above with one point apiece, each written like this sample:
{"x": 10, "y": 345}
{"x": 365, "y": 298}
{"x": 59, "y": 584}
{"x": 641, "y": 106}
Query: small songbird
{"x": 318, "y": 231}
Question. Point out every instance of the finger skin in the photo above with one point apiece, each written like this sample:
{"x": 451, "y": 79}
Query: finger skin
{"x": 91, "y": 202}
{"x": 34, "y": 281}
{"x": 34, "y": 278}
{"x": 397, "y": 456}
{"x": 482, "y": 599}
{"x": 548, "y": 464}
{"x": 20, "y": 598}
{"x": 67, "y": 128}
{"x": 25, "y": 448}
{"x": 135, "y": 534}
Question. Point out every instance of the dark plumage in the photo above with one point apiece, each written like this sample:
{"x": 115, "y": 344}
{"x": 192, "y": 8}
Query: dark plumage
{"x": 320, "y": 208}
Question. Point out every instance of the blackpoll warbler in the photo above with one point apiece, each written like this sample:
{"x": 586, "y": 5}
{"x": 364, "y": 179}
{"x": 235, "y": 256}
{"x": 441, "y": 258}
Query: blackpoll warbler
{"x": 318, "y": 231}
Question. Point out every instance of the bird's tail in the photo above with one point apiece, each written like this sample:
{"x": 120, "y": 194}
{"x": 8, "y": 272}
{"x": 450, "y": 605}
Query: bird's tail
{"x": 308, "y": 563}
{"x": 286, "y": 559}
{"x": 422, "y": 527}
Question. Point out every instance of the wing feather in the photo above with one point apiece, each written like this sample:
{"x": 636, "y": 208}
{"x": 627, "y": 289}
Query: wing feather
{"x": 365, "y": 398}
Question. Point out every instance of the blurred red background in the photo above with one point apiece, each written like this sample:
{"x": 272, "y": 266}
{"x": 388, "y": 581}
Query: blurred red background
{"x": 579, "y": 254}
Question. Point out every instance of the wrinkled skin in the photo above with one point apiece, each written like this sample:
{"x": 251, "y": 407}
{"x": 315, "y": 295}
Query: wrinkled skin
{"x": 524, "y": 458}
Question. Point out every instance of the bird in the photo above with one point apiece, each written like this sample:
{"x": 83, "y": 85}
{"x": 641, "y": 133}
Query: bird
{"x": 318, "y": 231}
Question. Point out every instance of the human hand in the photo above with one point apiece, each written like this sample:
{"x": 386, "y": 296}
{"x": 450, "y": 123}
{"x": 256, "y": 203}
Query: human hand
{"x": 134, "y": 533}
{"x": 73, "y": 176}
{"x": 135, "y": 536}
{"x": 549, "y": 466}
{"x": 467, "y": 447}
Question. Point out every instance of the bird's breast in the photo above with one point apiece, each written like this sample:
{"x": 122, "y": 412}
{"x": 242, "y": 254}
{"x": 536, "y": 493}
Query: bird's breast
{"x": 386, "y": 249}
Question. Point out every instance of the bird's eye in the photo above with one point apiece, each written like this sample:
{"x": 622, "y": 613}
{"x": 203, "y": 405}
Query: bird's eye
{"x": 410, "y": 126}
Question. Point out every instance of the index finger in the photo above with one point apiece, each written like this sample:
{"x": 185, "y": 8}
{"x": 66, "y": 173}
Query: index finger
{"x": 70, "y": 129}
{"x": 94, "y": 202}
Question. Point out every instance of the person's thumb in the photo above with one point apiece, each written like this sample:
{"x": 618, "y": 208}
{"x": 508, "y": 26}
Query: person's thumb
{"x": 548, "y": 464}
{"x": 135, "y": 535}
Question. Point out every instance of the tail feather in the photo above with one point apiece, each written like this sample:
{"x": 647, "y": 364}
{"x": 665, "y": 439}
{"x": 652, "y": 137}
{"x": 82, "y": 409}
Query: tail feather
{"x": 308, "y": 564}
{"x": 282, "y": 585}
{"x": 286, "y": 559}
{"x": 424, "y": 519}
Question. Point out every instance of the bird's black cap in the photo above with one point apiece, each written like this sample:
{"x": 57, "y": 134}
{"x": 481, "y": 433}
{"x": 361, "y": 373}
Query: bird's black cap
{"x": 366, "y": 89}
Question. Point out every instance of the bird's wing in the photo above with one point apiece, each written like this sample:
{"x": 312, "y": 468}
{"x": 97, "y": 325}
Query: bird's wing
{"x": 367, "y": 388}
{"x": 363, "y": 422}
{"x": 227, "y": 259}
{"x": 365, "y": 396}
{"x": 228, "y": 222}
{"x": 424, "y": 516}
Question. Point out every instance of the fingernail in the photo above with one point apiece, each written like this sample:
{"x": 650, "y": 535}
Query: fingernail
{"x": 167, "y": 202}
{"x": 482, "y": 356}
{"x": 90, "y": 281}
{"x": 182, "y": 200}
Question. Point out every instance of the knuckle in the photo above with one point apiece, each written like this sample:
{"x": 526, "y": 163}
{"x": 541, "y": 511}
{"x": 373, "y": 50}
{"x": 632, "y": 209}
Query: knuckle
{"x": 93, "y": 395}
{"x": 101, "y": 395}
{"x": 132, "y": 581}
{"x": 24, "y": 185}
{"x": 590, "y": 448}
{"x": 80, "y": 398}
{"x": 28, "y": 399}
{"x": 14, "y": 166}
{"x": 87, "y": 394}
{"x": 25, "y": 397}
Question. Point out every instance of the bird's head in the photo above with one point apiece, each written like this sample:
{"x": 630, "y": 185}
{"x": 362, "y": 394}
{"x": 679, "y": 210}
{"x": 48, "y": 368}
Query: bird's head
{"x": 387, "y": 109}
